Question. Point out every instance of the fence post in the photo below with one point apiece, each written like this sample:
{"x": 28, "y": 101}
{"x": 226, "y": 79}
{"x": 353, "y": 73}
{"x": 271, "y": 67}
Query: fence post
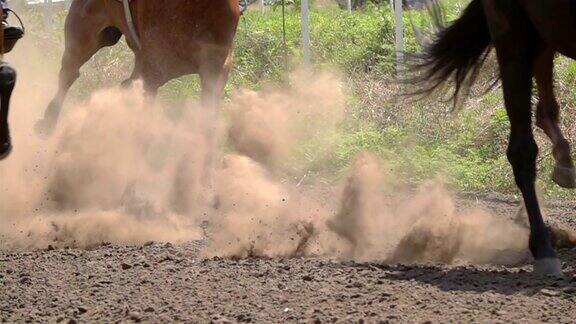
{"x": 306, "y": 32}
{"x": 399, "y": 34}
{"x": 48, "y": 14}
{"x": 262, "y": 6}
{"x": 349, "y": 5}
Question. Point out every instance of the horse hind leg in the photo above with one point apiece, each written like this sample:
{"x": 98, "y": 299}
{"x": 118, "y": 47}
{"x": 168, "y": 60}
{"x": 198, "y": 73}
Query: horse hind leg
{"x": 548, "y": 119}
{"x": 137, "y": 74}
{"x": 84, "y": 37}
{"x": 522, "y": 153}
{"x": 213, "y": 77}
{"x": 7, "y": 83}
{"x": 515, "y": 49}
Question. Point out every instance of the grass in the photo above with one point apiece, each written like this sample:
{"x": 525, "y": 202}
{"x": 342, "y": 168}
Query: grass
{"x": 418, "y": 140}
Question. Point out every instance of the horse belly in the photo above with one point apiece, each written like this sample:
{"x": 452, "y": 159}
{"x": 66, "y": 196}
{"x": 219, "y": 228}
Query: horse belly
{"x": 181, "y": 35}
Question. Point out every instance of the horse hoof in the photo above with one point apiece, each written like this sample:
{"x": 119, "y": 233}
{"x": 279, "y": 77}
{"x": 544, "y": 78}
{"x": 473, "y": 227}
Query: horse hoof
{"x": 565, "y": 177}
{"x": 5, "y": 150}
{"x": 548, "y": 267}
{"x": 44, "y": 128}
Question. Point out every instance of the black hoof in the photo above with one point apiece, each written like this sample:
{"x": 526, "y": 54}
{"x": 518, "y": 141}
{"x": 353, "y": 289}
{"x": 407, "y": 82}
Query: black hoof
{"x": 548, "y": 267}
{"x": 5, "y": 150}
{"x": 563, "y": 176}
{"x": 44, "y": 128}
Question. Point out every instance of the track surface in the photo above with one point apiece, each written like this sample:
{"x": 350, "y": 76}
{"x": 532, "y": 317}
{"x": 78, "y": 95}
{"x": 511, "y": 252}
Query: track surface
{"x": 166, "y": 283}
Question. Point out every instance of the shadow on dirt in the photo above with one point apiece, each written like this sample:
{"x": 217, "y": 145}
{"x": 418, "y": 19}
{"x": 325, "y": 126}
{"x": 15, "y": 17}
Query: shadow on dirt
{"x": 506, "y": 281}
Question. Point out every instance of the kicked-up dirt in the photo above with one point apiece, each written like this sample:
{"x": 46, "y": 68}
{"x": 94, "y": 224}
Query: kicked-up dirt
{"x": 160, "y": 283}
{"x": 269, "y": 250}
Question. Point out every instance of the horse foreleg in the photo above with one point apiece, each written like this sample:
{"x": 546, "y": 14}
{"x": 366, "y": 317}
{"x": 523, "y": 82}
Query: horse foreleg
{"x": 7, "y": 82}
{"x": 69, "y": 73}
{"x": 548, "y": 119}
{"x": 85, "y": 35}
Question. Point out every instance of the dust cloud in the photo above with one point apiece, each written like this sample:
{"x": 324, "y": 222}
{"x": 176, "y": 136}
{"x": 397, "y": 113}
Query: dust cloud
{"x": 267, "y": 125}
{"x": 261, "y": 214}
{"x": 421, "y": 226}
{"x": 125, "y": 169}
{"x": 104, "y": 177}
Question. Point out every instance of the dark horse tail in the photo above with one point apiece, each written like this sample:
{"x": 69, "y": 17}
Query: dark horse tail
{"x": 456, "y": 54}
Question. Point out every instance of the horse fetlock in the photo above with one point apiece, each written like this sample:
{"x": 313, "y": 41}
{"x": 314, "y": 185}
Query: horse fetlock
{"x": 540, "y": 242}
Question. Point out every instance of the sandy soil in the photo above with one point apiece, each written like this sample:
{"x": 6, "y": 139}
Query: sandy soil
{"x": 165, "y": 283}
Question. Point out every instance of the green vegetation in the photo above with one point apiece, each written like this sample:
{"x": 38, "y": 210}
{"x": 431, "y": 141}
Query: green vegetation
{"x": 418, "y": 140}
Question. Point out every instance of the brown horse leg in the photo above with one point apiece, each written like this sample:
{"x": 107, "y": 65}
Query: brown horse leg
{"x": 7, "y": 82}
{"x": 213, "y": 77}
{"x": 84, "y": 37}
{"x": 130, "y": 81}
{"x": 152, "y": 81}
{"x": 136, "y": 73}
{"x": 548, "y": 119}
{"x": 514, "y": 45}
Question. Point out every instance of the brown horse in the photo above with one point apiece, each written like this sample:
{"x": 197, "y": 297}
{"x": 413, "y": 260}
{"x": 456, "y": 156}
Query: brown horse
{"x": 526, "y": 34}
{"x": 7, "y": 82}
{"x": 172, "y": 38}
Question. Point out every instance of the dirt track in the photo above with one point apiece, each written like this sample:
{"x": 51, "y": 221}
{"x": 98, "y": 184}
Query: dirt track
{"x": 162, "y": 283}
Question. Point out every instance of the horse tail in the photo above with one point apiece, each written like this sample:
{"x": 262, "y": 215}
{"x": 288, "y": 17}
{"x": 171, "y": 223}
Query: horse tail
{"x": 456, "y": 54}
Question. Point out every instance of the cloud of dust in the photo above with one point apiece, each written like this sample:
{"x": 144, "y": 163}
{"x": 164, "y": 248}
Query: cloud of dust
{"x": 121, "y": 170}
{"x": 255, "y": 216}
{"x": 109, "y": 174}
{"x": 261, "y": 214}
{"x": 267, "y": 125}
{"x": 421, "y": 226}
{"x": 258, "y": 213}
